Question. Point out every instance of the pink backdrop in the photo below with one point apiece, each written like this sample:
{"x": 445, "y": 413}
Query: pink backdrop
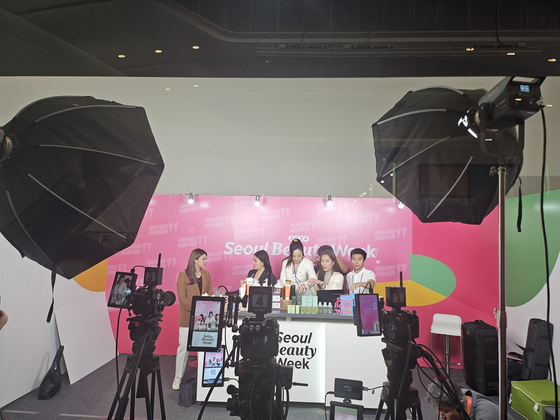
{"x": 231, "y": 229}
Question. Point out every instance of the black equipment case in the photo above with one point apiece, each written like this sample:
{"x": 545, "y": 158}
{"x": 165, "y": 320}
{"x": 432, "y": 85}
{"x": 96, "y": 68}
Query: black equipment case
{"x": 536, "y": 354}
{"x": 480, "y": 350}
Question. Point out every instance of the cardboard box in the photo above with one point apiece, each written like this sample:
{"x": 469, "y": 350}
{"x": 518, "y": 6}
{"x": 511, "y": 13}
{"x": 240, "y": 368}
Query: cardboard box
{"x": 529, "y": 398}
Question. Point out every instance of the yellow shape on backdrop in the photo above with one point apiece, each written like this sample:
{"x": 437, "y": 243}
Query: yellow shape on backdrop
{"x": 416, "y": 294}
{"x": 94, "y": 279}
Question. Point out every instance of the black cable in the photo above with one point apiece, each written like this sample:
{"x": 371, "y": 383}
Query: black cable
{"x": 496, "y": 25}
{"x": 547, "y": 264}
{"x": 117, "y": 345}
{"x": 273, "y": 391}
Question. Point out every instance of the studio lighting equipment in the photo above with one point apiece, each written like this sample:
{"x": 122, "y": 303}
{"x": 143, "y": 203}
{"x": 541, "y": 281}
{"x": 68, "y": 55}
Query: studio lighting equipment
{"x": 329, "y": 200}
{"x": 435, "y": 148}
{"x": 191, "y": 198}
{"x": 453, "y": 155}
{"x": 76, "y": 177}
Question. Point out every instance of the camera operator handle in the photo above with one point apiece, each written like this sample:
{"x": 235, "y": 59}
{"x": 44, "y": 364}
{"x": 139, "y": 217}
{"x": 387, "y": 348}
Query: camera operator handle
{"x": 299, "y": 384}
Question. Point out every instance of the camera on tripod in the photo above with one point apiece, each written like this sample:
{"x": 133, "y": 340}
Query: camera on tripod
{"x": 147, "y": 303}
{"x": 399, "y": 328}
{"x": 261, "y": 380}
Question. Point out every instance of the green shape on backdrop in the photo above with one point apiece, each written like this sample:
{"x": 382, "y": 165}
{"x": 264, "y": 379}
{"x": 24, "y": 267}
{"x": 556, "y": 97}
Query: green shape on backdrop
{"x": 525, "y": 265}
{"x": 432, "y": 274}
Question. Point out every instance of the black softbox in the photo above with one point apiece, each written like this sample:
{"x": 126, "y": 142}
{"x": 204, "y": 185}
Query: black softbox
{"x": 76, "y": 177}
{"x": 428, "y": 159}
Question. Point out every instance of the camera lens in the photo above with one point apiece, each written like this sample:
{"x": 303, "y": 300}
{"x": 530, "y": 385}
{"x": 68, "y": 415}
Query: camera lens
{"x": 168, "y": 298}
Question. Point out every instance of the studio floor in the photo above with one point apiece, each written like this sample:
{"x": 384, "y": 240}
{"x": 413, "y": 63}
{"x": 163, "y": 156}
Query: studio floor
{"x": 92, "y": 396}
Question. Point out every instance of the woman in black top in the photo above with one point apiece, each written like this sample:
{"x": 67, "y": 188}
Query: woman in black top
{"x": 262, "y": 272}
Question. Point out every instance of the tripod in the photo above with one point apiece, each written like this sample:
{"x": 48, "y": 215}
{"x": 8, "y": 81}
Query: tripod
{"x": 396, "y": 407}
{"x": 144, "y": 361}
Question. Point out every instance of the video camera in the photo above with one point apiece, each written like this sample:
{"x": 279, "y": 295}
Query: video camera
{"x": 261, "y": 379}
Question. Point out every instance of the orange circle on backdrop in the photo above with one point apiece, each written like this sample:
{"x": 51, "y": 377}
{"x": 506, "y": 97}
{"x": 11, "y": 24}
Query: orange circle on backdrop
{"x": 95, "y": 278}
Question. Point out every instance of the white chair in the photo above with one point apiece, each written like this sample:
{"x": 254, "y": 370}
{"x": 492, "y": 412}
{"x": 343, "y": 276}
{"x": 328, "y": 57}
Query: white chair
{"x": 448, "y": 325}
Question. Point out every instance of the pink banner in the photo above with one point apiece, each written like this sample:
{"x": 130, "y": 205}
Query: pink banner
{"x": 231, "y": 229}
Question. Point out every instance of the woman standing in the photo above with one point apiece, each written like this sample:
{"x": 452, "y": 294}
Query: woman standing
{"x": 262, "y": 271}
{"x": 299, "y": 270}
{"x": 193, "y": 281}
{"x": 329, "y": 276}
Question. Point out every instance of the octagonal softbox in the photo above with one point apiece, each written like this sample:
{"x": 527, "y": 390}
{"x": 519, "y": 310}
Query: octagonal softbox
{"x": 427, "y": 158}
{"x": 76, "y": 178}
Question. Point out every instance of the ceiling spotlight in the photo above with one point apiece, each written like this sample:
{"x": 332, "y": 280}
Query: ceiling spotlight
{"x": 257, "y": 200}
{"x": 194, "y": 86}
{"x": 158, "y": 51}
{"x": 121, "y": 56}
{"x": 195, "y": 47}
{"x": 167, "y": 88}
{"x": 510, "y": 53}
{"x": 400, "y": 205}
{"x": 552, "y": 60}
{"x": 470, "y": 49}
{"x": 191, "y": 198}
{"x": 329, "y": 200}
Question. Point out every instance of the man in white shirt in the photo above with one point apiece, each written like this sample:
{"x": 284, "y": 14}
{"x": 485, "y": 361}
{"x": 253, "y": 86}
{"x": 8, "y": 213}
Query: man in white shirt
{"x": 361, "y": 280}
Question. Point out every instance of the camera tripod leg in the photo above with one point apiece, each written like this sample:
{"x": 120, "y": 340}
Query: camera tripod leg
{"x": 130, "y": 371}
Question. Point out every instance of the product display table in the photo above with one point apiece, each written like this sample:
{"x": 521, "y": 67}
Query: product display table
{"x": 321, "y": 348}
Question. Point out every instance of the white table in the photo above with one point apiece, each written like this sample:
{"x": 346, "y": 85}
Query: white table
{"x": 331, "y": 349}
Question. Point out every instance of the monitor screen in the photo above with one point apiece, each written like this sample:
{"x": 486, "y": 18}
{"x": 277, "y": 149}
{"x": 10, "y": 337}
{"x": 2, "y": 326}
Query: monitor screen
{"x": 123, "y": 285}
{"x": 205, "y": 328}
{"x": 343, "y": 411}
{"x": 367, "y": 307}
{"x": 213, "y": 363}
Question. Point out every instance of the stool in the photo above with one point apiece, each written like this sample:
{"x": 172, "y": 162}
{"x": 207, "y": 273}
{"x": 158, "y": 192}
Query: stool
{"x": 448, "y": 325}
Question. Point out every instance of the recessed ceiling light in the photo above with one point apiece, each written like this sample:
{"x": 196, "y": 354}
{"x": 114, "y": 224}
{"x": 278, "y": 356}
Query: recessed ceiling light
{"x": 470, "y": 49}
{"x": 552, "y": 60}
{"x": 167, "y": 88}
{"x": 194, "y": 85}
{"x": 158, "y": 51}
{"x": 121, "y": 56}
{"x": 510, "y": 53}
{"x": 195, "y": 47}
{"x": 549, "y": 105}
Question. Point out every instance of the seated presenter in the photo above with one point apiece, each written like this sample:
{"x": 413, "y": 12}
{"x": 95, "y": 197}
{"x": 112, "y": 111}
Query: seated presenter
{"x": 329, "y": 276}
{"x": 360, "y": 280}
{"x": 299, "y": 270}
{"x": 262, "y": 271}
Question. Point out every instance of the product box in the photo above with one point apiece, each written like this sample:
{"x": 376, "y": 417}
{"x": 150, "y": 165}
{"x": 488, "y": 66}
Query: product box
{"x": 284, "y": 304}
{"x": 529, "y": 398}
{"x": 314, "y": 301}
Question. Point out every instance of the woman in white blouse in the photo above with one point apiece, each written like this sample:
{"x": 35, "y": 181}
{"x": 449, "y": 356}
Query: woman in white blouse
{"x": 299, "y": 270}
{"x": 329, "y": 276}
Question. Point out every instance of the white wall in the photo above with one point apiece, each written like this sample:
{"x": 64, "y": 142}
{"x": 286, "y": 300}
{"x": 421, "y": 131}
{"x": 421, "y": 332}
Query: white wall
{"x": 281, "y": 137}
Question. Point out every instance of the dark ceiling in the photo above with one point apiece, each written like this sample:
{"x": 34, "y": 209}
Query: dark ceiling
{"x": 280, "y": 38}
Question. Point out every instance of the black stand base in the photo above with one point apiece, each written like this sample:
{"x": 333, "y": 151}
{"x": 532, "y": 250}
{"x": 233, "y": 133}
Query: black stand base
{"x": 145, "y": 368}
{"x": 396, "y": 410}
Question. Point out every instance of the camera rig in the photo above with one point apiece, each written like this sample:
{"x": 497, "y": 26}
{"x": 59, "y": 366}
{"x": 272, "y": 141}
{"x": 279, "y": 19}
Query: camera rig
{"x": 262, "y": 381}
{"x": 147, "y": 303}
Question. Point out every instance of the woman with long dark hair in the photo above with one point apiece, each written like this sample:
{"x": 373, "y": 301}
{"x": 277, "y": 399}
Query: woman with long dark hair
{"x": 298, "y": 270}
{"x": 262, "y": 271}
{"x": 329, "y": 276}
{"x": 193, "y": 281}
